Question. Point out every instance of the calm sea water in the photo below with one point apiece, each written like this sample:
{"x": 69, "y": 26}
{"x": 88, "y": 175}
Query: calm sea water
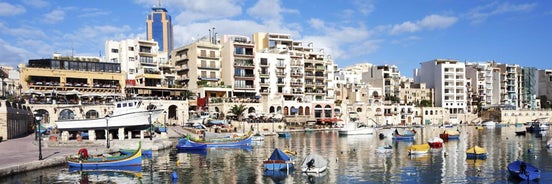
{"x": 352, "y": 159}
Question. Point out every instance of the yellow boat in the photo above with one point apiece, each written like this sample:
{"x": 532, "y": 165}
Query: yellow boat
{"x": 476, "y": 152}
{"x": 418, "y": 149}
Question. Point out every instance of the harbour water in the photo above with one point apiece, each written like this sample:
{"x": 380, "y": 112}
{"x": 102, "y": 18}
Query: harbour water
{"x": 352, "y": 159}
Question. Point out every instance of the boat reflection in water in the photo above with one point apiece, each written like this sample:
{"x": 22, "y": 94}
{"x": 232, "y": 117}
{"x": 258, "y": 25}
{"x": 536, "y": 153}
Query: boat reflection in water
{"x": 277, "y": 176}
{"x": 123, "y": 174}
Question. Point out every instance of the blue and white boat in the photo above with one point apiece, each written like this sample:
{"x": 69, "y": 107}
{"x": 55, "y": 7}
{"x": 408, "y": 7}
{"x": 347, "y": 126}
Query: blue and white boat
{"x": 83, "y": 161}
{"x": 284, "y": 134}
{"x": 278, "y": 161}
{"x": 522, "y": 170}
{"x": 226, "y": 142}
{"x": 184, "y": 145}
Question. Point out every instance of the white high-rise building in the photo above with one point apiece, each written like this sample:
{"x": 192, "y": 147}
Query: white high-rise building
{"x": 139, "y": 59}
{"x": 448, "y": 78}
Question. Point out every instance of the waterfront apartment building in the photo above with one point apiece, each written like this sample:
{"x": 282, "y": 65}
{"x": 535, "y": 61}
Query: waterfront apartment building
{"x": 529, "y": 88}
{"x": 448, "y": 78}
{"x": 146, "y": 73}
{"x": 511, "y": 83}
{"x": 545, "y": 84}
{"x": 484, "y": 82}
{"x": 386, "y": 76}
{"x": 159, "y": 28}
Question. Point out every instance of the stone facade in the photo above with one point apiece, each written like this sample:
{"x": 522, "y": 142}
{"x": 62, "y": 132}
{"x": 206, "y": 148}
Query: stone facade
{"x": 16, "y": 120}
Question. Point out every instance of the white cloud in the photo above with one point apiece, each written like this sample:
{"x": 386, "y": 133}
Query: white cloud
{"x": 36, "y": 3}
{"x": 429, "y": 22}
{"x": 437, "y": 22}
{"x": 12, "y": 54}
{"x": 364, "y": 7}
{"x": 22, "y": 32}
{"x": 7, "y": 9}
{"x": 481, "y": 13}
{"x": 316, "y": 23}
{"x": 54, "y": 16}
{"x": 92, "y": 12}
{"x": 269, "y": 11}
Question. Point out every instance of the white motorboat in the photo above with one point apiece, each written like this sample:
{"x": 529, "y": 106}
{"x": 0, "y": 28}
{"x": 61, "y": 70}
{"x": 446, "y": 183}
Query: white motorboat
{"x": 384, "y": 149}
{"x": 314, "y": 163}
{"x": 129, "y": 113}
{"x": 489, "y": 124}
{"x": 356, "y": 128}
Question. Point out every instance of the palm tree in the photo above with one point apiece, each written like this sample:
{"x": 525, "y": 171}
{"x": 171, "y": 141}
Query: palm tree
{"x": 238, "y": 110}
{"x": 188, "y": 95}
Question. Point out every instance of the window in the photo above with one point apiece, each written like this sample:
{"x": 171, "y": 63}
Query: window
{"x": 204, "y": 74}
{"x": 130, "y": 48}
{"x": 212, "y": 64}
{"x": 213, "y": 75}
{"x": 203, "y": 53}
{"x": 203, "y": 63}
{"x": 114, "y": 50}
{"x": 131, "y": 71}
{"x": 212, "y": 54}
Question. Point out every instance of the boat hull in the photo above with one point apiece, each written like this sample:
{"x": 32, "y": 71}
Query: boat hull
{"x": 277, "y": 165}
{"x": 131, "y": 119}
{"x": 106, "y": 162}
{"x": 284, "y": 134}
{"x": 359, "y": 131}
{"x": 224, "y": 143}
{"x": 481, "y": 156}
{"x": 314, "y": 170}
{"x": 435, "y": 144}
{"x": 530, "y": 173}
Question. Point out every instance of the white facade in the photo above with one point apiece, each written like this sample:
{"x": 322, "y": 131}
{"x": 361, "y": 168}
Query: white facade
{"x": 448, "y": 78}
{"x": 134, "y": 55}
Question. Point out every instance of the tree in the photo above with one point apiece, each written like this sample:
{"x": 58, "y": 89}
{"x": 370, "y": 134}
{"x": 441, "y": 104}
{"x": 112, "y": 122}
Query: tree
{"x": 425, "y": 103}
{"x": 188, "y": 95}
{"x": 238, "y": 110}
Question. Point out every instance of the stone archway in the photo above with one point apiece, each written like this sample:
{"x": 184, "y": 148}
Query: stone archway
{"x": 66, "y": 114}
{"x": 172, "y": 116}
{"x": 92, "y": 114}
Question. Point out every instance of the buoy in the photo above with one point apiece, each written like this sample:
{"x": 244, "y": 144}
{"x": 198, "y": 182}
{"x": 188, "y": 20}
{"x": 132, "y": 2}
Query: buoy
{"x": 174, "y": 175}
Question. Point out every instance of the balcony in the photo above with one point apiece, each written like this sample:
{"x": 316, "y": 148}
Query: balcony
{"x": 296, "y": 84}
{"x": 296, "y": 74}
{"x": 208, "y": 67}
{"x": 280, "y": 74}
{"x": 244, "y": 76}
{"x": 244, "y": 86}
{"x": 281, "y": 83}
{"x": 280, "y": 66}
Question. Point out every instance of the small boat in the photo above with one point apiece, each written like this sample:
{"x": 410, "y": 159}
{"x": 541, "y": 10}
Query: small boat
{"x": 384, "y": 149}
{"x": 408, "y": 136}
{"x": 278, "y": 160}
{"x": 226, "y": 142}
{"x": 449, "y": 134}
{"x": 537, "y": 125}
{"x": 83, "y": 161}
{"x": 489, "y": 124}
{"x": 522, "y": 170}
{"x": 184, "y": 144}
{"x": 270, "y": 134}
{"x": 418, "y": 149}
{"x": 257, "y": 137}
{"x": 435, "y": 142}
{"x": 476, "y": 152}
{"x": 356, "y": 128}
{"x": 521, "y": 132}
{"x": 284, "y": 134}
{"x": 314, "y": 163}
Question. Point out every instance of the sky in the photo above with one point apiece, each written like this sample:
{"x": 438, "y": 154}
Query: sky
{"x": 393, "y": 32}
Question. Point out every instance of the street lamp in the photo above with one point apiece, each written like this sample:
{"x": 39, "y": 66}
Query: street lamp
{"x": 150, "y": 125}
{"x": 165, "y": 118}
{"x": 37, "y": 122}
{"x": 107, "y": 131}
{"x": 2, "y": 77}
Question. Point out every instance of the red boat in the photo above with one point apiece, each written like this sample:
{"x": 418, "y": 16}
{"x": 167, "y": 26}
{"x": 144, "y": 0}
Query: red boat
{"x": 435, "y": 142}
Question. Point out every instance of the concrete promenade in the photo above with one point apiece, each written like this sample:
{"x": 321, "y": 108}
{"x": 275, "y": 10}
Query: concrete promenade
{"x": 21, "y": 154}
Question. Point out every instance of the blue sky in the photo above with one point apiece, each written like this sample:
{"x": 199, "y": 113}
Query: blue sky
{"x": 403, "y": 33}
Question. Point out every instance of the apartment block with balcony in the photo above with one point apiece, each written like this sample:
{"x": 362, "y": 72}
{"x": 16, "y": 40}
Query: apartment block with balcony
{"x": 484, "y": 82}
{"x": 238, "y": 67}
{"x": 545, "y": 85}
{"x": 511, "y": 83}
{"x": 530, "y": 88}
{"x": 148, "y": 73}
{"x": 299, "y": 73}
{"x": 448, "y": 78}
